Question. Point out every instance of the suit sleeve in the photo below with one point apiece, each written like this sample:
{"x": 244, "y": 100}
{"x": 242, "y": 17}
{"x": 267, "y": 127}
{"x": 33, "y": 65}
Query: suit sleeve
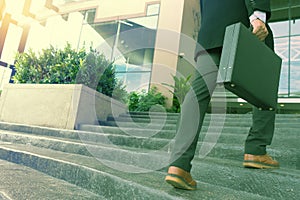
{"x": 261, "y": 5}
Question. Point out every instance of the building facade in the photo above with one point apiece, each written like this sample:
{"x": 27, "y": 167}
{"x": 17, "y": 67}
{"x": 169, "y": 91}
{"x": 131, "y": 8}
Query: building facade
{"x": 149, "y": 40}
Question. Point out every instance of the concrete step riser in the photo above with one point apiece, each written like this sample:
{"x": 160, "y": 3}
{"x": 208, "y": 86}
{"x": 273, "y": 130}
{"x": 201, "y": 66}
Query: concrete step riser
{"x": 213, "y": 128}
{"x": 279, "y": 119}
{"x": 208, "y": 115}
{"x": 170, "y": 134}
{"x": 283, "y": 122}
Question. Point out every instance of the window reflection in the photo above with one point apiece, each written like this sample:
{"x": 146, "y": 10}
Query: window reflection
{"x": 128, "y": 42}
{"x": 295, "y": 27}
{"x": 280, "y": 28}
{"x": 281, "y": 49}
{"x": 295, "y": 65}
{"x": 288, "y": 48}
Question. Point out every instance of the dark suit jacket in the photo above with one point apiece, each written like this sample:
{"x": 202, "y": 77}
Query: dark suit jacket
{"x": 217, "y": 14}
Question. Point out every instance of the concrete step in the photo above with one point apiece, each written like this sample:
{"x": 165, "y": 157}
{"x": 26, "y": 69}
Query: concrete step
{"x": 108, "y": 179}
{"x": 145, "y": 159}
{"x": 171, "y": 124}
{"x": 137, "y": 137}
{"x": 174, "y": 116}
{"x": 169, "y": 134}
{"x": 134, "y": 159}
{"x": 287, "y": 157}
{"x": 276, "y": 184}
{"x": 158, "y": 114}
{"x": 135, "y": 151}
{"x": 247, "y": 120}
{"x": 290, "y": 140}
{"x": 20, "y": 182}
{"x": 280, "y": 128}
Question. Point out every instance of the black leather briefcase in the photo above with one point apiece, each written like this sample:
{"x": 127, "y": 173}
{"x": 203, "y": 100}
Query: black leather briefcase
{"x": 248, "y": 68}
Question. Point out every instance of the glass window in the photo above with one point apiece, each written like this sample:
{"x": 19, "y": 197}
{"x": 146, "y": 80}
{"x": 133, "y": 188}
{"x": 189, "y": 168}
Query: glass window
{"x": 295, "y": 65}
{"x": 153, "y": 9}
{"x": 280, "y": 28}
{"x": 288, "y": 48}
{"x": 295, "y": 27}
{"x": 128, "y": 42}
{"x": 282, "y": 50}
{"x": 89, "y": 15}
{"x": 135, "y": 81}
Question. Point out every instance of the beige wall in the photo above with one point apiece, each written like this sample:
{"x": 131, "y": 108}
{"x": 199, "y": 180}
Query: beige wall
{"x": 177, "y": 30}
{"x": 122, "y": 9}
{"x": 5, "y": 74}
{"x": 108, "y": 10}
{"x": 167, "y": 45}
{"x": 188, "y": 41}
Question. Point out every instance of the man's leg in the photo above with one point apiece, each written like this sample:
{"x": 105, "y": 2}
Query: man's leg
{"x": 192, "y": 114}
{"x": 190, "y": 123}
{"x": 261, "y": 132}
{"x": 260, "y": 135}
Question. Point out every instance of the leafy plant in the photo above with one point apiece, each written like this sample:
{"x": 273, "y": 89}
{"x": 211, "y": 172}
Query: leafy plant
{"x": 120, "y": 92}
{"x": 67, "y": 66}
{"x": 97, "y": 73}
{"x": 145, "y": 101}
{"x": 180, "y": 89}
{"x": 50, "y": 66}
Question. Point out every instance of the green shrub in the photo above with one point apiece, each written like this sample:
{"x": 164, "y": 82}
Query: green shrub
{"x": 180, "y": 89}
{"x": 68, "y": 66}
{"x": 145, "y": 101}
{"x": 50, "y": 66}
{"x": 98, "y": 73}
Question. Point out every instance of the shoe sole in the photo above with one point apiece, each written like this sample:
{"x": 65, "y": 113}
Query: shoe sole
{"x": 258, "y": 166}
{"x": 179, "y": 183}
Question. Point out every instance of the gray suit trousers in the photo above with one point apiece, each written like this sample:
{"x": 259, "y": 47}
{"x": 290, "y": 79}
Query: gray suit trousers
{"x": 193, "y": 112}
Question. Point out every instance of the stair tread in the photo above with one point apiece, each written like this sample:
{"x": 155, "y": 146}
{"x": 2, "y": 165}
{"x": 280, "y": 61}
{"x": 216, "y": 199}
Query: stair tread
{"x": 14, "y": 185}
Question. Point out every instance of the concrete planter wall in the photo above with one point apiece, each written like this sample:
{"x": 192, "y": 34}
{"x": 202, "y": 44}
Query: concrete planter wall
{"x": 4, "y": 76}
{"x": 60, "y": 106}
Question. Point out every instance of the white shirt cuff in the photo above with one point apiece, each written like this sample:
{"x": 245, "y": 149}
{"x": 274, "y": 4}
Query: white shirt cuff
{"x": 258, "y": 15}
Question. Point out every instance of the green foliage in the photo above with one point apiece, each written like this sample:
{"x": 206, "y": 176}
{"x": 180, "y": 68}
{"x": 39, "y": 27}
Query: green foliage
{"x": 97, "y": 73}
{"x": 67, "y": 66}
{"x": 180, "y": 89}
{"x": 50, "y": 66}
{"x": 133, "y": 101}
{"x": 145, "y": 101}
{"x": 120, "y": 92}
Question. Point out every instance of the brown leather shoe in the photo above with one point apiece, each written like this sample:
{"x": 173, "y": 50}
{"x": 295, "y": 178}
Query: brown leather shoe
{"x": 260, "y": 161}
{"x": 181, "y": 179}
